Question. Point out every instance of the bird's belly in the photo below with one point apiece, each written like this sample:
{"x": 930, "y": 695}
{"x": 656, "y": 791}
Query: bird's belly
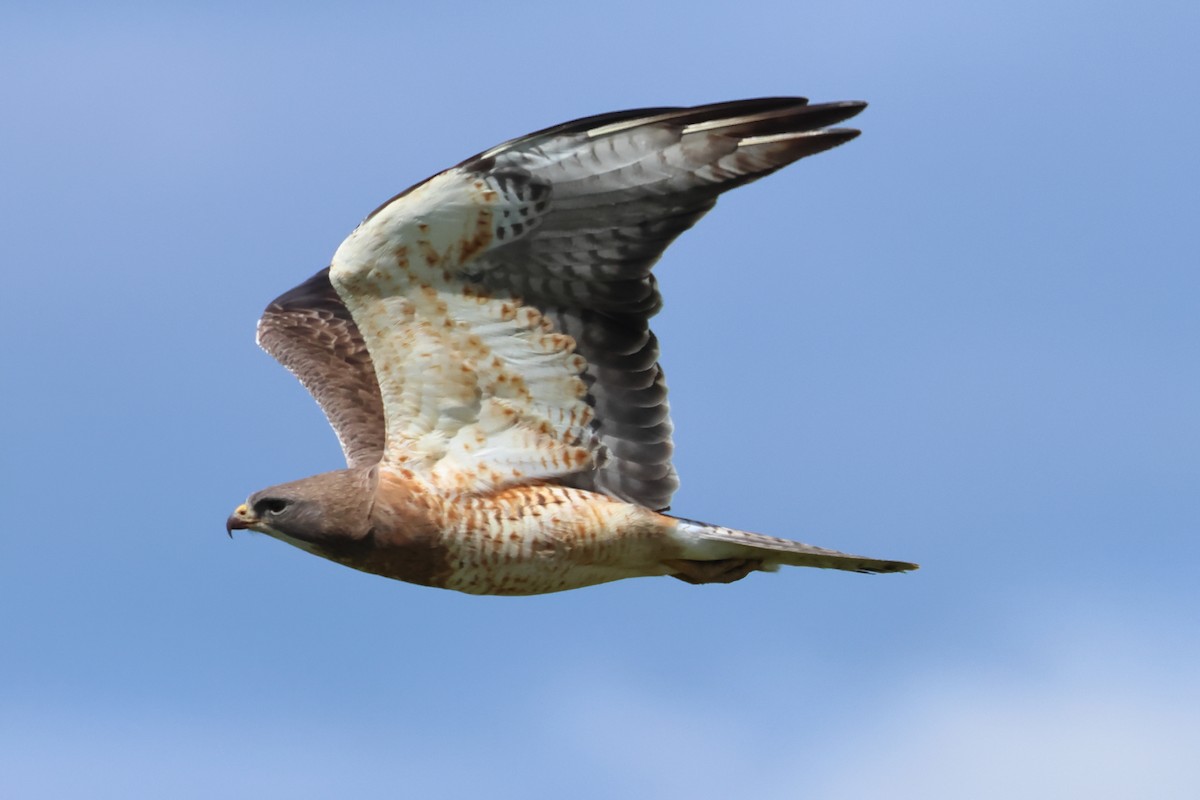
{"x": 525, "y": 579}
{"x": 566, "y": 548}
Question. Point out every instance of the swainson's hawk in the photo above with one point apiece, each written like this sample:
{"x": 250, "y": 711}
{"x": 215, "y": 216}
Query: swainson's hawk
{"x": 480, "y": 344}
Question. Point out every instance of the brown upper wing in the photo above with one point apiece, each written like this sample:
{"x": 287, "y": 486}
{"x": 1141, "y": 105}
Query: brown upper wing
{"x": 309, "y": 331}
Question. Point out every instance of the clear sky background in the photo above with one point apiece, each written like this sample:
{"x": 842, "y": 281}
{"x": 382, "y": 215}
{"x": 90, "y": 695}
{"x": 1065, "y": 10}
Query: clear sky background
{"x": 970, "y": 338}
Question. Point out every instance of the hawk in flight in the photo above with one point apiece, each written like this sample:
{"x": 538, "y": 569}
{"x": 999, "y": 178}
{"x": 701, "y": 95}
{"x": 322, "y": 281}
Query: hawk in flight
{"x": 481, "y": 347}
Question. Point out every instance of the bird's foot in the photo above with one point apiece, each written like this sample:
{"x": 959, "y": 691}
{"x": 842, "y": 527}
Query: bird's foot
{"x": 726, "y": 570}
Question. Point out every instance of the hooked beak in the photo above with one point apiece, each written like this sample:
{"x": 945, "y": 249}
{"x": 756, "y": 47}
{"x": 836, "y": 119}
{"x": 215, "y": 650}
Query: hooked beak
{"x": 241, "y": 519}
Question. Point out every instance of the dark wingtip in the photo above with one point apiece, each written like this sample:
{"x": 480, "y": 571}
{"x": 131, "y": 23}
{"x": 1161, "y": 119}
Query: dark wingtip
{"x": 315, "y": 293}
{"x": 823, "y": 114}
{"x": 890, "y": 567}
{"x": 821, "y": 140}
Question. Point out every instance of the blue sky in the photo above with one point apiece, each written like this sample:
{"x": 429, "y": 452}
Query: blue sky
{"x": 969, "y": 339}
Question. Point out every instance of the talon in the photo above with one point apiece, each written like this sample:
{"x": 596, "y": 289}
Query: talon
{"x": 726, "y": 570}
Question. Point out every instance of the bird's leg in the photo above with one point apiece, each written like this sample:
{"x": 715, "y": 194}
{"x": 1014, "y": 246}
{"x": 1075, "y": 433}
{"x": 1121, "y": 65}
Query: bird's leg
{"x": 726, "y": 570}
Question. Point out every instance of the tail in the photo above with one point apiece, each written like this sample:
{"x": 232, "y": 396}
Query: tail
{"x": 704, "y": 542}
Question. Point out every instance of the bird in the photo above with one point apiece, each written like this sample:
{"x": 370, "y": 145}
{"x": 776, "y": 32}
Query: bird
{"x": 480, "y": 346}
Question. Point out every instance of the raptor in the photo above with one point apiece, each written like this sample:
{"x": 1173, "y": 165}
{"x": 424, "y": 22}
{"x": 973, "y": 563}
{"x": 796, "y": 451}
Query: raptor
{"x": 480, "y": 345}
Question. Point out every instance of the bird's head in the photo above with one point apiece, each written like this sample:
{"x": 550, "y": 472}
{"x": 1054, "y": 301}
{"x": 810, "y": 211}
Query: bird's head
{"x": 315, "y": 514}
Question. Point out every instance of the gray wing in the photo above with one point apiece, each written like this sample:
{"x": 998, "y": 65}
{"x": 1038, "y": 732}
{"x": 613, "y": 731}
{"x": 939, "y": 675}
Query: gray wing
{"x": 309, "y": 331}
{"x": 602, "y": 199}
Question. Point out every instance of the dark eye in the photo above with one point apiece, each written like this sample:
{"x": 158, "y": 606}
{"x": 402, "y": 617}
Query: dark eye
{"x": 271, "y": 505}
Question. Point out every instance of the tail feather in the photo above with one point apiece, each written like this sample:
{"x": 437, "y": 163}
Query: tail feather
{"x": 704, "y": 542}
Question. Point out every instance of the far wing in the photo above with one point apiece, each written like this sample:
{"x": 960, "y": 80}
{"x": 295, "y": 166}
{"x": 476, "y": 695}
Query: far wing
{"x": 505, "y": 302}
{"x": 309, "y": 331}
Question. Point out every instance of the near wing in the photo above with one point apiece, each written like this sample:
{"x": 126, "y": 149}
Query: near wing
{"x": 505, "y": 302}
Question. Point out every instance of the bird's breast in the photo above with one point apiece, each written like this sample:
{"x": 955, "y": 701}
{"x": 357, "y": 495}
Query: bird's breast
{"x": 521, "y": 540}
